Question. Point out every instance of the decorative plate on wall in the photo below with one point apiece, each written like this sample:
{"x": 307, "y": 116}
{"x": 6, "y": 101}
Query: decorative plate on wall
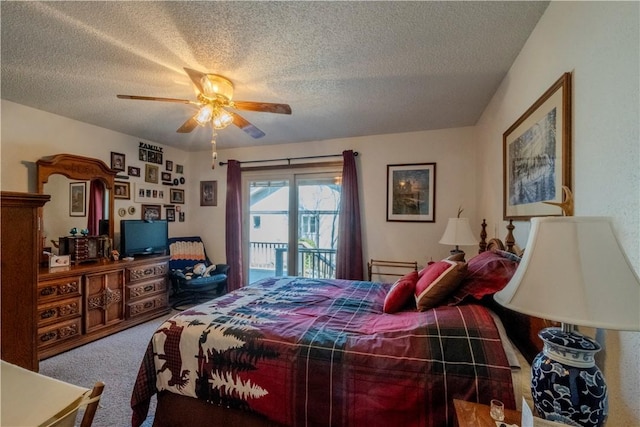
{"x": 132, "y": 210}
{"x": 122, "y": 211}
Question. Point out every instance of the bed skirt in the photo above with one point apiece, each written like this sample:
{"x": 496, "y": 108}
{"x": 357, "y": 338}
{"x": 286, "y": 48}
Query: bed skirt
{"x": 174, "y": 410}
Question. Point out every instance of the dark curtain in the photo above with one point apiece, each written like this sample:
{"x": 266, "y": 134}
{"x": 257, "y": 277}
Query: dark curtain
{"x": 349, "y": 263}
{"x": 96, "y": 207}
{"x": 233, "y": 217}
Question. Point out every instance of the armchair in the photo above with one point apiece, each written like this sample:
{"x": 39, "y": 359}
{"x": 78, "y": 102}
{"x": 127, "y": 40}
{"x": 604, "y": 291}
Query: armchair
{"x": 194, "y": 278}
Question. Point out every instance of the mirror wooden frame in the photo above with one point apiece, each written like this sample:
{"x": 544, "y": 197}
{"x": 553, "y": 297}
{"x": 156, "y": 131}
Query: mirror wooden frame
{"x": 75, "y": 168}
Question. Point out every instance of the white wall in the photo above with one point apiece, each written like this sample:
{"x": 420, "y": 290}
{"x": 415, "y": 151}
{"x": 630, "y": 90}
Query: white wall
{"x": 23, "y": 143}
{"x": 599, "y": 42}
{"x": 453, "y": 151}
{"x": 29, "y": 134}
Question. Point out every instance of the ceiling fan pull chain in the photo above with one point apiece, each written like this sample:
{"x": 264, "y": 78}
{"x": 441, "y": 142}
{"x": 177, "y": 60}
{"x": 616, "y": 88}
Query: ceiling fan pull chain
{"x": 214, "y": 153}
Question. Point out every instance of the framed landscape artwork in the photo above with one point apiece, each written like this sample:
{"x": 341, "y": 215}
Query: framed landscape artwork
{"x": 411, "y": 192}
{"x": 537, "y": 155}
{"x": 77, "y": 199}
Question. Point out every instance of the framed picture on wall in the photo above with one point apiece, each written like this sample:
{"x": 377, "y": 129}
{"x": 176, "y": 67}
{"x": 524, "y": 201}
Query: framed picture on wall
{"x": 537, "y": 155}
{"x": 117, "y": 161}
{"x": 151, "y": 212}
{"x": 133, "y": 171}
{"x": 151, "y": 173}
{"x": 411, "y": 192}
{"x": 77, "y": 199}
{"x": 208, "y": 193}
{"x": 176, "y": 196}
{"x": 121, "y": 190}
{"x": 170, "y": 213}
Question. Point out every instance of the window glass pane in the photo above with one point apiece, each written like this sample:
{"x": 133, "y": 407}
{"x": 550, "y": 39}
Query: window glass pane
{"x": 291, "y": 232}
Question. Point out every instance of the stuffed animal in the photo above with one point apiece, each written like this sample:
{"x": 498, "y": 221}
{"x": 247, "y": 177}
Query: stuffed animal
{"x": 199, "y": 269}
{"x": 209, "y": 269}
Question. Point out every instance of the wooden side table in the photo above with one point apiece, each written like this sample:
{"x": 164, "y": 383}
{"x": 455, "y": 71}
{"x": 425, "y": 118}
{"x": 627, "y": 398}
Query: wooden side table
{"x": 471, "y": 414}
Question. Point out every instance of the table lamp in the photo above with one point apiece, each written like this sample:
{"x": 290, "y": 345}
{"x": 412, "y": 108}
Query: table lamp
{"x": 457, "y": 233}
{"x": 573, "y": 271}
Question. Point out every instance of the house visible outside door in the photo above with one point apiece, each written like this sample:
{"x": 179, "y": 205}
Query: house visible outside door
{"x": 291, "y": 220}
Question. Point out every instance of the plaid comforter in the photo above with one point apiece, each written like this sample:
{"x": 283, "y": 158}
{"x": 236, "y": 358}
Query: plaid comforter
{"x": 321, "y": 352}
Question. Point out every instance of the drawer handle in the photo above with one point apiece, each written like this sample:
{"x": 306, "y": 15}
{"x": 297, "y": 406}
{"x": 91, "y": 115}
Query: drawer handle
{"x": 48, "y": 336}
{"x": 148, "y": 288}
{"x": 48, "y": 314}
{"x": 49, "y": 290}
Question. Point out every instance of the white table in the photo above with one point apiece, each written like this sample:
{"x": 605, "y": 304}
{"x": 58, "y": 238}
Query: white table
{"x": 30, "y": 399}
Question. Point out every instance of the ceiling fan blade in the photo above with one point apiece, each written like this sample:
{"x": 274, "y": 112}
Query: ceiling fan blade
{"x": 196, "y": 77}
{"x": 188, "y": 126}
{"x": 265, "y": 107}
{"x": 155, "y": 98}
{"x": 244, "y": 124}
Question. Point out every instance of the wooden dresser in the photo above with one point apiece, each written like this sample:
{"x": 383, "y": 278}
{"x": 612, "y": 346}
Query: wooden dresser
{"x": 88, "y": 301}
{"x": 19, "y": 267}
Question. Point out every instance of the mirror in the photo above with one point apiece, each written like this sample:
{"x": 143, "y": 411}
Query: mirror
{"x": 67, "y": 178}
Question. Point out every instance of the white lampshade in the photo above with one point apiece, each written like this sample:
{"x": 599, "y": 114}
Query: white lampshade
{"x": 575, "y": 271}
{"x": 458, "y": 233}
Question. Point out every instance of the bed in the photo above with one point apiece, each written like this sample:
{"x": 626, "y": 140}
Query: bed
{"x": 318, "y": 352}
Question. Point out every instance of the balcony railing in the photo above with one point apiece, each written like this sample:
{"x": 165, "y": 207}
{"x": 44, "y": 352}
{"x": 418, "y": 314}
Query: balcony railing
{"x": 312, "y": 262}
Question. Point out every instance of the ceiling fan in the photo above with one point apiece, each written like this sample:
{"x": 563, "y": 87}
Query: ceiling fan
{"x": 214, "y": 97}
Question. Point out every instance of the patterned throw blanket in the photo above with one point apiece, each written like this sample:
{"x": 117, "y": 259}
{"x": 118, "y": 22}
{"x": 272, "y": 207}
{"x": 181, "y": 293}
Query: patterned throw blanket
{"x": 321, "y": 352}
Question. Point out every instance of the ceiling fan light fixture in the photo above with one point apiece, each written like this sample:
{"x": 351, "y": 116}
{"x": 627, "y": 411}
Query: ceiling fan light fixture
{"x": 216, "y": 87}
{"x": 204, "y": 114}
{"x": 214, "y": 93}
{"x": 221, "y": 118}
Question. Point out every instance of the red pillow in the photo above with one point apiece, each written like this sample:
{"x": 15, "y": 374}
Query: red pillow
{"x": 400, "y": 293}
{"x": 437, "y": 282}
{"x": 487, "y": 273}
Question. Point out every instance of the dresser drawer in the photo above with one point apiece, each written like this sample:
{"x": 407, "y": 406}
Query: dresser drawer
{"x": 58, "y": 332}
{"x": 59, "y": 310}
{"x": 146, "y": 271}
{"x": 146, "y": 305}
{"x": 54, "y": 289}
{"x": 144, "y": 289}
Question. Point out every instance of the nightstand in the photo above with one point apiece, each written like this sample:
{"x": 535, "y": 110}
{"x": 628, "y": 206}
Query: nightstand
{"x": 470, "y": 414}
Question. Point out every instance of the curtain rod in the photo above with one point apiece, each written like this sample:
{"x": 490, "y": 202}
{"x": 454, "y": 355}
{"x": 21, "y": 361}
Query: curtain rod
{"x": 288, "y": 159}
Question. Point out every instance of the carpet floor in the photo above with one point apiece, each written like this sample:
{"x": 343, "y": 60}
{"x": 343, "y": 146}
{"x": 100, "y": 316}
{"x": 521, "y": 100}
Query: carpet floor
{"x": 115, "y": 360}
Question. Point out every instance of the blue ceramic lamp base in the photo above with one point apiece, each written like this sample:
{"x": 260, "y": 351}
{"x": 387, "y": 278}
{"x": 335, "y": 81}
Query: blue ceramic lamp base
{"x": 566, "y": 384}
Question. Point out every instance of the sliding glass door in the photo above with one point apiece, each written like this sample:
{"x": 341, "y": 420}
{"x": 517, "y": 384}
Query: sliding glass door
{"x": 291, "y": 220}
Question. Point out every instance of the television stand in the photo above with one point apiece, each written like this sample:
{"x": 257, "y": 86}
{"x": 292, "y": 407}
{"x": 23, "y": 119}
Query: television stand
{"x": 88, "y": 301}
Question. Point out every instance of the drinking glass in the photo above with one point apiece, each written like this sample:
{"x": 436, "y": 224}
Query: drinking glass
{"x": 497, "y": 410}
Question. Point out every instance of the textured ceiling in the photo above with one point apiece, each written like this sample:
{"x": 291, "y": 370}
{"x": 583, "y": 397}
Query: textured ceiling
{"x": 346, "y": 68}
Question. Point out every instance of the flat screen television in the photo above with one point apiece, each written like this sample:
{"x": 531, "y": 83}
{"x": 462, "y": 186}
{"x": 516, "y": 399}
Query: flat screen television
{"x": 143, "y": 237}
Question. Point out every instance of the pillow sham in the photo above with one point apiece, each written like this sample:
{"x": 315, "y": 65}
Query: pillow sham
{"x": 487, "y": 273}
{"x": 400, "y": 293}
{"x": 437, "y": 282}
